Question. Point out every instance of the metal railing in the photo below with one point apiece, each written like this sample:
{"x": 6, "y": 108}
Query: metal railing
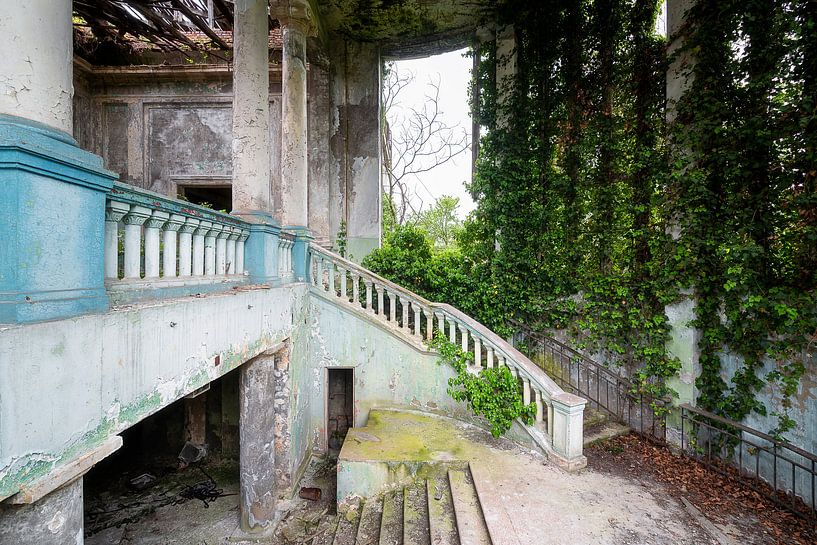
{"x": 603, "y": 389}
{"x": 778, "y": 470}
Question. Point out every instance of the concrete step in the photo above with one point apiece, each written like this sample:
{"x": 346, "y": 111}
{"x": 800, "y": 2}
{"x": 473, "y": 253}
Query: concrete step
{"x": 391, "y": 523}
{"x": 368, "y": 530}
{"x": 441, "y": 519}
{"x": 471, "y": 525}
{"x": 346, "y": 531}
{"x": 495, "y": 502}
{"x": 415, "y": 516}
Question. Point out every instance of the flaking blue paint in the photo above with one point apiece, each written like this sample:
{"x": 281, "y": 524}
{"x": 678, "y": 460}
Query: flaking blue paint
{"x": 51, "y": 224}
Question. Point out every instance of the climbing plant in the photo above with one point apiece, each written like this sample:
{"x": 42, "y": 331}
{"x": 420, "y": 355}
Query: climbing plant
{"x": 493, "y": 393}
{"x": 594, "y": 214}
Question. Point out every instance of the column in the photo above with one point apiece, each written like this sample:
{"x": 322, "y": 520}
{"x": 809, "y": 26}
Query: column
{"x": 114, "y": 212}
{"x": 210, "y": 249}
{"x": 568, "y": 432}
{"x": 294, "y": 30}
{"x": 133, "y": 240}
{"x": 221, "y": 250}
{"x": 56, "y": 519}
{"x": 37, "y": 72}
{"x": 170, "y": 243}
{"x": 153, "y": 225}
{"x": 186, "y": 246}
{"x": 239, "y": 252}
{"x": 232, "y": 239}
{"x": 198, "y": 247}
{"x": 251, "y": 162}
{"x": 258, "y": 486}
{"x": 251, "y": 140}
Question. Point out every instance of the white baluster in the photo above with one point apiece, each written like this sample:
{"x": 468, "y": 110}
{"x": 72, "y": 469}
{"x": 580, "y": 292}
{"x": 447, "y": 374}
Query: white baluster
{"x": 221, "y": 249}
{"x": 490, "y": 361}
{"x": 404, "y": 305}
{"x": 452, "y": 331}
{"x": 186, "y": 246}
{"x": 550, "y": 418}
{"x": 170, "y": 240}
{"x": 464, "y": 338}
{"x": 239, "y": 252}
{"x": 133, "y": 220}
{"x": 441, "y": 322}
{"x": 477, "y": 352}
{"x": 114, "y": 212}
{"x": 232, "y": 239}
{"x": 281, "y": 246}
{"x": 525, "y": 391}
{"x": 369, "y": 297}
{"x": 290, "y": 270}
{"x": 539, "y": 411}
{"x": 198, "y": 247}
{"x": 429, "y": 324}
{"x": 331, "y": 269}
{"x": 392, "y": 307}
{"x": 319, "y": 272}
{"x": 356, "y": 289}
{"x": 152, "y": 233}
{"x": 343, "y": 293}
{"x": 210, "y": 249}
{"x": 381, "y": 309}
{"x": 417, "y": 328}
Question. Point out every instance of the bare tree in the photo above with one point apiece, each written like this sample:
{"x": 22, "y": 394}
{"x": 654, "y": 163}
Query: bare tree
{"x": 415, "y": 141}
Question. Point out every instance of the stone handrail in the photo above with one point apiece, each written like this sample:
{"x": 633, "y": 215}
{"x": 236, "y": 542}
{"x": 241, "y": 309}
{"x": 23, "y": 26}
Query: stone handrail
{"x": 169, "y": 241}
{"x": 558, "y": 417}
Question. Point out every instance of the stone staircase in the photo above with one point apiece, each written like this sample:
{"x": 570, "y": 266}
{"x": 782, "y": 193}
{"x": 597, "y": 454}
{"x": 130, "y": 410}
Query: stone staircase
{"x": 444, "y": 509}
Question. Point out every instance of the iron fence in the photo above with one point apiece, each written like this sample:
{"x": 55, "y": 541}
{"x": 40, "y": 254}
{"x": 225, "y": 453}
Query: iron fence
{"x": 603, "y": 389}
{"x": 776, "y": 469}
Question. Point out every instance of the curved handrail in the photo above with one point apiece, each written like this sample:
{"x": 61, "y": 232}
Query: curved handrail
{"x": 530, "y": 370}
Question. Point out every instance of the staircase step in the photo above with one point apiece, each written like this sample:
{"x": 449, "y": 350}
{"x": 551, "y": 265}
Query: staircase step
{"x": 368, "y": 531}
{"x": 347, "y": 527}
{"x": 415, "y": 516}
{"x": 391, "y": 523}
{"x": 494, "y": 501}
{"x": 470, "y": 522}
{"x": 441, "y": 520}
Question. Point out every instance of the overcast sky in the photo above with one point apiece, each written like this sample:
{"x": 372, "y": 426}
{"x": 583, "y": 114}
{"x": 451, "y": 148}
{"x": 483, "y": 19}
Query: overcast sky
{"x": 454, "y": 72}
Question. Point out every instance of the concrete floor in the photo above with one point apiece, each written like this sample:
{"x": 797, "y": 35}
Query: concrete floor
{"x": 522, "y": 495}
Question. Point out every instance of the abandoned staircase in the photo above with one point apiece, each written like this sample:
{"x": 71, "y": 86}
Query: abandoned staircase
{"x": 444, "y": 509}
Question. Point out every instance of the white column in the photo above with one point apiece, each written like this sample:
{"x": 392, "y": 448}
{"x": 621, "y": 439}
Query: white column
{"x": 452, "y": 331}
{"x": 239, "y": 252}
{"x": 221, "y": 250}
{"x": 356, "y": 289}
{"x": 539, "y": 408}
{"x": 186, "y": 246}
{"x": 170, "y": 243}
{"x": 526, "y": 391}
{"x": 36, "y": 66}
{"x": 343, "y": 293}
{"x": 133, "y": 239}
{"x": 369, "y": 297}
{"x": 380, "y": 298}
{"x": 331, "y": 271}
{"x": 319, "y": 272}
{"x": 464, "y": 339}
{"x": 210, "y": 249}
{"x": 294, "y": 30}
{"x": 251, "y": 140}
{"x": 114, "y": 212}
{"x": 198, "y": 247}
{"x": 392, "y": 306}
{"x": 490, "y": 357}
{"x": 568, "y": 422}
{"x": 417, "y": 318}
{"x": 477, "y": 352}
{"x": 232, "y": 238}
{"x": 152, "y": 231}
{"x": 404, "y": 306}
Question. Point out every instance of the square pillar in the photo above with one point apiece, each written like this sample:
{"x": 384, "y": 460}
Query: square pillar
{"x": 568, "y": 431}
{"x": 56, "y": 519}
{"x": 258, "y": 484}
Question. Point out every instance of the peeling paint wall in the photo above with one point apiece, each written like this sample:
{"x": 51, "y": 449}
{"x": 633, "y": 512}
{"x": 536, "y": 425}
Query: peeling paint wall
{"x": 355, "y": 146}
{"x": 388, "y": 371}
{"x": 70, "y": 384}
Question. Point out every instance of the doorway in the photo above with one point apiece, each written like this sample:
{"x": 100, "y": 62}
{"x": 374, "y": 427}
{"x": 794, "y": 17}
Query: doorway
{"x": 340, "y": 407}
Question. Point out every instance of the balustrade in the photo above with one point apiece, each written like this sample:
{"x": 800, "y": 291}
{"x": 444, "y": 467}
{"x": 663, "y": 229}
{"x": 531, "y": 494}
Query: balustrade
{"x": 555, "y": 410}
{"x": 169, "y": 240}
